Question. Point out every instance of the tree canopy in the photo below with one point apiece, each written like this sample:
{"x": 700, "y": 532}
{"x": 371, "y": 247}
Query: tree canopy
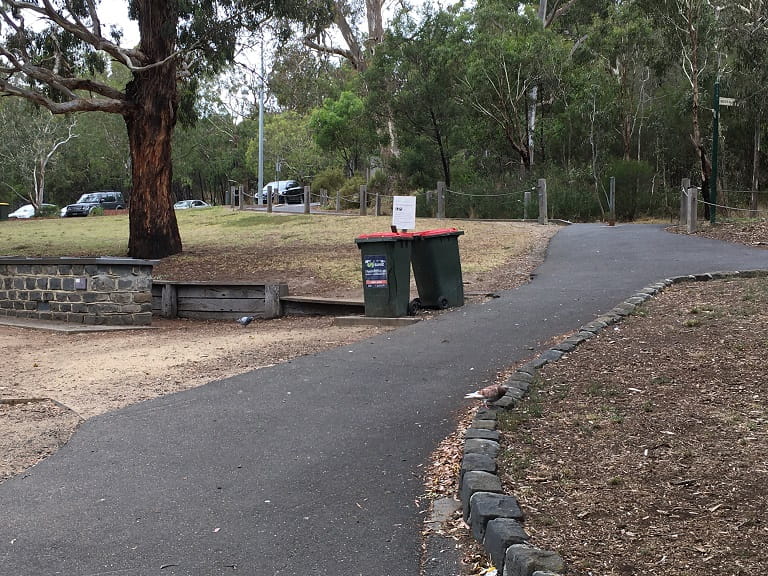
{"x": 468, "y": 94}
{"x": 54, "y": 64}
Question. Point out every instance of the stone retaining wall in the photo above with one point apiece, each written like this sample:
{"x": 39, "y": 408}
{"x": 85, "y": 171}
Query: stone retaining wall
{"x": 94, "y": 291}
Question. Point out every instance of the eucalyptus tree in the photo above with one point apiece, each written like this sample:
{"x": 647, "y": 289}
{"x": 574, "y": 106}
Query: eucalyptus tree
{"x": 342, "y": 126}
{"x": 416, "y": 77}
{"x": 53, "y": 65}
{"x": 547, "y": 13}
{"x": 624, "y": 44}
{"x": 300, "y": 79}
{"x": 690, "y": 28}
{"x": 357, "y": 32}
{"x": 358, "y": 42}
{"x": 207, "y": 158}
{"x": 290, "y": 151}
{"x": 32, "y": 137}
{"x": 98, "y": 159}
{"x": 510, "y": 53}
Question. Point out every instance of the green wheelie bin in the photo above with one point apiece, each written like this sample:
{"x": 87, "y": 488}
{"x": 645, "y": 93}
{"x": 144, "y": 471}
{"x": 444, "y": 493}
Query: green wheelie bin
{"x": 4, "y": 210}
{"x": 386, "y": 259}
{"x": 437, "y": 268}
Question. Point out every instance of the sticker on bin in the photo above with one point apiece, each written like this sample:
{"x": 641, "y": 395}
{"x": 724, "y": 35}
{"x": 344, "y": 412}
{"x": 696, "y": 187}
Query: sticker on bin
{"x": 375, "y": 271}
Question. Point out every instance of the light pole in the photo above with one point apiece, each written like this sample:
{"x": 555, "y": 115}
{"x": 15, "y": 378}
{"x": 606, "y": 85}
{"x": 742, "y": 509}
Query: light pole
{"x": 261, "y": 125}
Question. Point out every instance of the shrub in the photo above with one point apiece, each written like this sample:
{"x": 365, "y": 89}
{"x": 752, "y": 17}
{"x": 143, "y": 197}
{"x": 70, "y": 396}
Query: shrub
{"x": 330, "y": 179}
{"x": 48, "y": 211}
{"x": 350, "y": 192}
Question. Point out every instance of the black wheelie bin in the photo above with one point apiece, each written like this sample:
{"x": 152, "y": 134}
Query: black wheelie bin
{"x": 386, "y": 259}
{"x": 437, "y": 268}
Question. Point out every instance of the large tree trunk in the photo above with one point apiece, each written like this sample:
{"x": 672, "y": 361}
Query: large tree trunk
{"x": 154, "y": 232}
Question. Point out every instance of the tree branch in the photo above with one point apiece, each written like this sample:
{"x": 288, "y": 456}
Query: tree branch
{"x": 79, "y": 104}
{"x": 346, "y": 54}
{"x": 130, "y": 57}
{"x": 557, "y": 12}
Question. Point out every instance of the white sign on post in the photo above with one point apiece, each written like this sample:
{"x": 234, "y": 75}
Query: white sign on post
{"x": 404, "y": 212}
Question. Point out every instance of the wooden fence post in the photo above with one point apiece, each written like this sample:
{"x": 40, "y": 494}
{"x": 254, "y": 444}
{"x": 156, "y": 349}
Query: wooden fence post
{"x": 307, "y": 192}
{"x": 684, "y": 185}
{"x": 526, "y": 203}
{"x": 363, "y": 200}
{"x": 338, "y": 201}
{"x": 269, "y": 198}
{"x": 169, "y": 301}
{"x": 692, "y": 212}
{"x": 542, "y": 187}
{"x": 441, "y": 199}
{"x": 272, "y": 306}
{"x": 612, "y": 203}
{"x": 378, "y": 204}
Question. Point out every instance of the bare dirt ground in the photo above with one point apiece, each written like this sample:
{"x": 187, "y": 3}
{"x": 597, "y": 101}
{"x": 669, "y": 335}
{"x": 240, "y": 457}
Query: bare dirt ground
{"x": 52, "y": 381}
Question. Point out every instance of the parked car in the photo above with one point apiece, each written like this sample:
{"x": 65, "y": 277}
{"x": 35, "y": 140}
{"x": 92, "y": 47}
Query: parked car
{"x": 284, "y": 192}
{"x": 28, "y": 211}
{"x": 108, "y": 200}
{"x": 185, "y": 204}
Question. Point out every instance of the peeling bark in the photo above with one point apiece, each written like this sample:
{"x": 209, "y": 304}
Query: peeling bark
{"x": 154, "y": 232}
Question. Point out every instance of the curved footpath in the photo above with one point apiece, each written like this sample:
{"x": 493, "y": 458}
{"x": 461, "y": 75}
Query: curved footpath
{"x": 313, "y": 466}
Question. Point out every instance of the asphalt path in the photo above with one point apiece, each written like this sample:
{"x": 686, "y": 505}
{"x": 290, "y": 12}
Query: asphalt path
{"x": 313, "y": 466}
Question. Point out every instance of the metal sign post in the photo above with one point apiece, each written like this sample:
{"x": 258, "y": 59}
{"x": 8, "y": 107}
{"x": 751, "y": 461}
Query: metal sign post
{"x": 715, "y": 139}
{"x": 717, "y": 102}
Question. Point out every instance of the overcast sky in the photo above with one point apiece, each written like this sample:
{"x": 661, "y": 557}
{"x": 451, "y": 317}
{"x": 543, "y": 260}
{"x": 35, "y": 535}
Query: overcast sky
{"x": 116, "y": 12}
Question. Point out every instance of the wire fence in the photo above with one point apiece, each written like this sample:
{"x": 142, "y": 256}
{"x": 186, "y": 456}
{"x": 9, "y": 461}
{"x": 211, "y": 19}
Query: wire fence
{"x": 454, "y": 203}
{"x": 493, "y": 195}
{"x": 739, "y": 204}
{"x": 516, "y": 202}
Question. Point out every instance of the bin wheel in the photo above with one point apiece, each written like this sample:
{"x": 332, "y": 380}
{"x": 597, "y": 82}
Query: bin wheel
{"x": 442, "y": 302}
{"x": 414, "y": 306}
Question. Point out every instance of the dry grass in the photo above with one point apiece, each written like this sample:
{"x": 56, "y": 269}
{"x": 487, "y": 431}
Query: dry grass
{"x": 314, "y": 254}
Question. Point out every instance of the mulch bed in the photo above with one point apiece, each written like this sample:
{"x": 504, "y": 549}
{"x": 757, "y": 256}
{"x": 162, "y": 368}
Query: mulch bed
{"x": 644, "y": 451}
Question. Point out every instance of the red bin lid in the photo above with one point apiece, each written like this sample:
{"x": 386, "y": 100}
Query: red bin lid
{"x": 395, "y": 235}
{"x": 439, "y": 232}
{"x": 386, "y": 236}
